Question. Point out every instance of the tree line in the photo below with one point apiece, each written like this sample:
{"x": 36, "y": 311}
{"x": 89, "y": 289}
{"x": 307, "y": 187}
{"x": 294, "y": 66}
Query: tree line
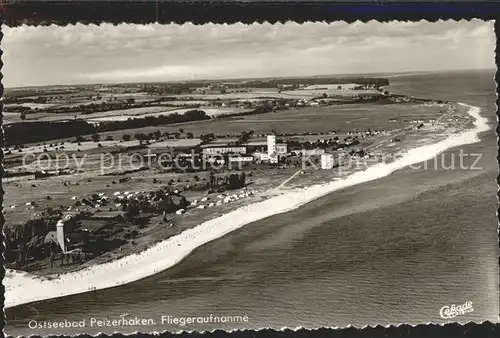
{"x": 377, "y": 82}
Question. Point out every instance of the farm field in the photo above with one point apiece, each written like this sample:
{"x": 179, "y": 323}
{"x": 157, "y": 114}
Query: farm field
{"x": 305, "y": 93}
{"x": 250, "y": 95}
{"x": 317, "y": 119}
{"x": 323, "y": 119}
{"x": 101, "y": 146}
{"x": 64, "y": 190}
{"x": 188, "y": 102}
{"x": 119, "y": 115}
{"x": 315, "y": 92}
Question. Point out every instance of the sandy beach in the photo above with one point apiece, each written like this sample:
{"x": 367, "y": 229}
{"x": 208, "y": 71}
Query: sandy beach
{"x": 24, "y": 288}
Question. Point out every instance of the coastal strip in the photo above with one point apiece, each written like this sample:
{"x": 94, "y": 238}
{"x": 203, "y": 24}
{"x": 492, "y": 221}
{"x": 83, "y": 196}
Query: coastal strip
{"x": 22, "y": 287}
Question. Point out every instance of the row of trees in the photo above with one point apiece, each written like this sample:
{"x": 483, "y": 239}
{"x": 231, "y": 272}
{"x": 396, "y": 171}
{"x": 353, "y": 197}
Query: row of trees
{"x": 168, "y": 88}
{"x": 244, "y": 137}
{"x": 156, "y": 135}
{"x": 12, "y": 99}
{"x": 375, "y": 81}
{"x": 32, "y": 132}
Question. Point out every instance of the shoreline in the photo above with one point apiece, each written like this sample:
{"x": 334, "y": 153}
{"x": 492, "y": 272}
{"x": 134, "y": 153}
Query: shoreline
{"x": 171, "y": 251}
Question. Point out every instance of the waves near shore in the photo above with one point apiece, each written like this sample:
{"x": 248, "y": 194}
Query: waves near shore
{"x": 24, "y": 288}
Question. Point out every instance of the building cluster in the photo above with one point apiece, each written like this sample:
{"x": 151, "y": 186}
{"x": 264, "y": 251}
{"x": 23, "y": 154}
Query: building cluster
{"x": 268, "y": 151}
{"x": 214, "y": 154}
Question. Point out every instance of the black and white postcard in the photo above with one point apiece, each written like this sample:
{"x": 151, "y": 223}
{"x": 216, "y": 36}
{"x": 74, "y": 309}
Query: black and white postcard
{"x": 169, "y": 177}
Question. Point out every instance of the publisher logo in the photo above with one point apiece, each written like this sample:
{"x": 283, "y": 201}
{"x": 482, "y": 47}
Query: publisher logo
{"x": 451, "y": 311}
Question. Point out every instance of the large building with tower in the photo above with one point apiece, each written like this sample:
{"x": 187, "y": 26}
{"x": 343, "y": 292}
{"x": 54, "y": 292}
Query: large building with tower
{"x": 211, "y": 150}
{"x": 266, "y": 150}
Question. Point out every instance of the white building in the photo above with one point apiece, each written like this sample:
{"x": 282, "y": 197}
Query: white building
{"x": 215, "y": 160}
{"x": 263, "y": 157}
{"x": 310, "y": 152}
{"x": 280, "y": 148}
{"x": 326, "y": 161}
{"x": 241, "y": 159}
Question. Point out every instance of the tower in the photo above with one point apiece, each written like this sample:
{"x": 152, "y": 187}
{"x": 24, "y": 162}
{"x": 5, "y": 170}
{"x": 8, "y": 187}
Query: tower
{"x": 60, "y": 235}
{"x": 271, "y": 145}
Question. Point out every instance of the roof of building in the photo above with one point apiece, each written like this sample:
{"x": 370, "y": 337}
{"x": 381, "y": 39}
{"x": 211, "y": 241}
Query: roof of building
{"x": 222, "y": 145}
{"x": 262, "y": 143}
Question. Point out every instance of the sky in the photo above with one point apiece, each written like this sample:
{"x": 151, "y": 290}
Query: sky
{"x": 79, "y": 54}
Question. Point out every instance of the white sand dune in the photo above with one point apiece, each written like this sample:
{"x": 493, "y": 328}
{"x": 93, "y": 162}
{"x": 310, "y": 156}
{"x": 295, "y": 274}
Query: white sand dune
{"x": 24, "y": 288}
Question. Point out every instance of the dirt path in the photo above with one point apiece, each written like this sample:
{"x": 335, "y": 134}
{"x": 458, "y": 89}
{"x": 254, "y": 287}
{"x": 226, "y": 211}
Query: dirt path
{"x": 288, "y": 179}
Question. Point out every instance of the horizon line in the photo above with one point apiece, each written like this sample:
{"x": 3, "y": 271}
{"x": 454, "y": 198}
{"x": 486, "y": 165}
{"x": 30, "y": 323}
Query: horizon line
{"x": 374, "y": 74}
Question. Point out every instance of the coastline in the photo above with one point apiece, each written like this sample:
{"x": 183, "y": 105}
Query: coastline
{"x": 171, "y": 251}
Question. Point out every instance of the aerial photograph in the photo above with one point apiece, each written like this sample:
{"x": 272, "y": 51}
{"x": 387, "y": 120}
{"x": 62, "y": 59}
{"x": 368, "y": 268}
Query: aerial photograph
{"x": 200, "y": 177}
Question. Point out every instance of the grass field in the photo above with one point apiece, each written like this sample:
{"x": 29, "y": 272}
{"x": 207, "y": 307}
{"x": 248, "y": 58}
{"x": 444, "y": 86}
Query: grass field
{"x": 174, "y": 143}
{"x": 341, "y": 118}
